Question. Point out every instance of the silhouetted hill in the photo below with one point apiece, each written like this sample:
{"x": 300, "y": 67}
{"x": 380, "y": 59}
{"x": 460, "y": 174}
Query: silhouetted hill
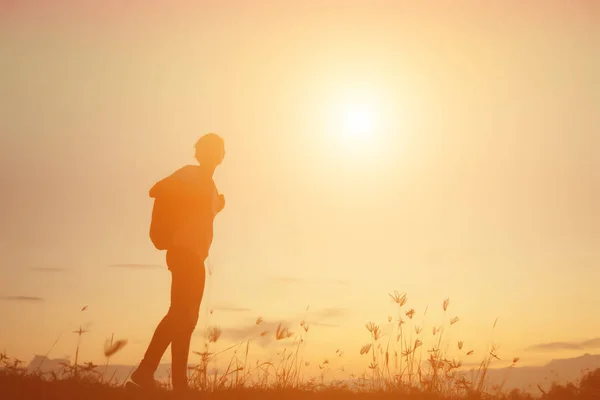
{"x": 44, "y": 364}
{"x": 560, "y": 371}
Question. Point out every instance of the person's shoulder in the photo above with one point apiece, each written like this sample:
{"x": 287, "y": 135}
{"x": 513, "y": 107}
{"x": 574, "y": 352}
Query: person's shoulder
{"x": 186, "y": 172}
{"x": 177, "y": 180}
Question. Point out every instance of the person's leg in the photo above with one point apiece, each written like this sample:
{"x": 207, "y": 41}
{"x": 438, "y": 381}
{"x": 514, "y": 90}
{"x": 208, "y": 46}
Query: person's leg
{"x": 188, "y": 296}
{"x": 163, "y": 336}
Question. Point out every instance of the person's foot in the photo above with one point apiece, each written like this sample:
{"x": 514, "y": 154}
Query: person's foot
{"x": 182, "y": 393}
{"x": 143, "y": 378}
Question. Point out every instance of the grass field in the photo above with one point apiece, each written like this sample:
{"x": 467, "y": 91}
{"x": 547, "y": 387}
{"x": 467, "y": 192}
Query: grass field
{"x": 18, "y": 385}
{"x": 397, "y": 367}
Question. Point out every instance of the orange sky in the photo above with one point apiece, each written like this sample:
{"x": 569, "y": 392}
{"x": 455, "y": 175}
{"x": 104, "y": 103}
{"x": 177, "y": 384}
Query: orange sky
{"x": 479, "y": 181}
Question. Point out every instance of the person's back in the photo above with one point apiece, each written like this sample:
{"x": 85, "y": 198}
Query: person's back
{"x": 195, "y": 200}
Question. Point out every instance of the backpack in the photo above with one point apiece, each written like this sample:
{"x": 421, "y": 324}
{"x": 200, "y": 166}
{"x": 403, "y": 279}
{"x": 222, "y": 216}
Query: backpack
{"x": 162, "y": 223}
{"x": 171, "y": 201}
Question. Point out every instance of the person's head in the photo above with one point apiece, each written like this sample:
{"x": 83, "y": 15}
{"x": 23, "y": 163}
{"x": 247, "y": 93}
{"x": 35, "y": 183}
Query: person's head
{"x": 210, "y": 150}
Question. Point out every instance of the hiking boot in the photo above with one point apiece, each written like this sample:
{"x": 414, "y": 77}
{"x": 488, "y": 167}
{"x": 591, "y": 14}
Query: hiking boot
{"x": 183, "y": 393}
{"x": 143, "y": 379}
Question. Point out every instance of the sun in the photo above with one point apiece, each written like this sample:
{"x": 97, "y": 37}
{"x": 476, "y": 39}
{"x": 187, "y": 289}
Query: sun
{"x": 357, "y": 123}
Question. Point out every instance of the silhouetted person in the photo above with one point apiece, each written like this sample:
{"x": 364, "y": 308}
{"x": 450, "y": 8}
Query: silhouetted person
{"x": 190, "y": 201}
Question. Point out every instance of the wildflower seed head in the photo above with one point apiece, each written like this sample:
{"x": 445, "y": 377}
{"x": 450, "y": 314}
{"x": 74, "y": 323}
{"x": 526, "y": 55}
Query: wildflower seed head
{"x": 446, "y": 303}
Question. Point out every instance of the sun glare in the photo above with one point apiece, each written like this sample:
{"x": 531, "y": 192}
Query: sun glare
{"x": 358, "y": 124}
{"x": 357, "y": 121}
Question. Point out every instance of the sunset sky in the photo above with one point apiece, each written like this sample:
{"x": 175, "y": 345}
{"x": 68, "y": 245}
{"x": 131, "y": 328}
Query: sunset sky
{"x": 445, "y": 151}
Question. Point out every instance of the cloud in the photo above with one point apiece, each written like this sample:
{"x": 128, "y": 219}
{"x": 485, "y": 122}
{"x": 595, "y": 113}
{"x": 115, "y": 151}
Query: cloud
{"x": 136, "y": 266}
{"x": 323, "y": 324}
{"x": 262, "y": 334}
{"x": 554, "y": 346}
{"x": 254, "y": 331}
{"x": 47, "y": 269}
{"x": 340, "y": 282}
{"x": 319, "y": 317}
{"x": 290, "y": 280}
{"x": 330, "y": 313}
{"x": 228, "y": 308}
{"x": 287, "y": 280}
{"x": 591, "y": 343}
{"x": 22, "y": 298}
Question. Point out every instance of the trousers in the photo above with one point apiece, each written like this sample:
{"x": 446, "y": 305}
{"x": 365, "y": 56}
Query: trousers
{"x": 188, "y": 278}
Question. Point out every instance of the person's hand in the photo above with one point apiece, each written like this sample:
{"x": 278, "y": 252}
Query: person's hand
{"x": 221, "y": 202}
